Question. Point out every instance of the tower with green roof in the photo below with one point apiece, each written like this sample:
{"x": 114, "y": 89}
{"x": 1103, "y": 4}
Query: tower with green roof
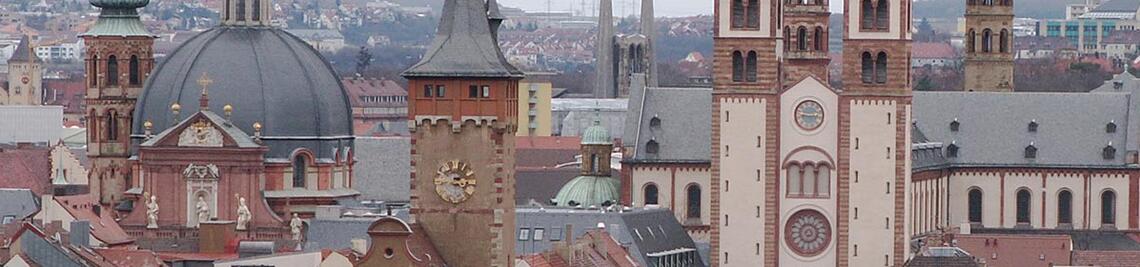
{"x": 594, "y": 186}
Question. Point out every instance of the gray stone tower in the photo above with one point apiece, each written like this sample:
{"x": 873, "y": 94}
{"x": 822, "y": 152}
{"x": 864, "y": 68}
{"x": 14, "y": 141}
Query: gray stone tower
{"x": 604, "y": 84}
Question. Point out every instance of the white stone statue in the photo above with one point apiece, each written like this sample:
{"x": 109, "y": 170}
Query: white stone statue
{"x": 152, "y": 213}
{"x": 243, "y": 214}
{"x": 203, "y": 210}
{"x": 295, "y": 226}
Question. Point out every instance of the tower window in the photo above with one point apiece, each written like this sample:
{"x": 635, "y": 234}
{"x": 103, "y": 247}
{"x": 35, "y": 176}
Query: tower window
{"x": 650, "y": 194}
{"x": 975, "y": 205}
{"x": 987, "y": 41}
{"x": 867, "y": 15}
{"x": 801, "y": 39}
{"x": 868, "y": 65}
{"x": 1065, "y": 207}
{"x": 113, "y": 126}
{"x": 1108, "y": 207}
{"x": 257, "y": 10}
{"x": 750, "y": 67}
{"x": 112, "y": 71}
{"x": 1003, "y": 40}
{"x": 737, "y": 67}
{"x": 226, "y": 6}
{"x": 693, "y": 209}
{"x": 882, "y": 15}
{"x": 881, "y": 68}
{"x": 753, "y": 13}
{"x": 738, "y": 13}
{"x": 94, "y": 71}
{"x": 241, "y": 10}
{"x": 1023, "y": 205}
{"x": 818, "y": 39}
{"x": 135, "y": 76}
{"x": 300, "y": 166}
{"x": 971, "y": 41}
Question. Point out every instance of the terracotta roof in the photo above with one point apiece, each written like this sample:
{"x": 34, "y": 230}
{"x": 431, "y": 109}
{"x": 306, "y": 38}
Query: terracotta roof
{"x": 1106, "y": 258}
{"x": 545, "y": 260}
{"x": 933, "y": 50}
{"x": 358, "y": 88}
{"x": 103, "y": 225}
{"x": 124, "y": 257}
{"x": 1018, "y": 250}
{"x": 25, "y": 168}
{"x": 174, "y": 256}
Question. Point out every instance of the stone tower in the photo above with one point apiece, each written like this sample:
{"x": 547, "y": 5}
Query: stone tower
{"x": 462, "y": 114}
{"x": 605, "y": 85}
{"x": 989, "y": 45}
{"x": 25, "y": 76}
{"x": 805, "y": 39}
{"x": 633, "y": 54}
{"x": 248, "y": 12}
{"x": 649, "y": 30}
{"x": 119, "y": 59}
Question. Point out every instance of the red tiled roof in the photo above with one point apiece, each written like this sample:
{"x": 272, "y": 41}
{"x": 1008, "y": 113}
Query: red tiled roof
{"x": 174, "y": 256}
{"x": 25, "y": 168}
{"x": 357, "y": 88}
{"x": 67, "y": 93}
{"x": 545, "y": 260}
{"x": 922, "y": 50}
{"x": 103, "y": 225}
{"x": 124, "y": 257}
{"x": 1018, "y": 250}
{"x": 1106, "y": 258}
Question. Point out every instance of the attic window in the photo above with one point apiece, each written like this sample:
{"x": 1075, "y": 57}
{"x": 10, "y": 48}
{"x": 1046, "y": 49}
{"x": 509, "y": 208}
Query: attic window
{"x": 1110, "y": 127}
{"x": 1117, "y": 85}
{"x": 1109, "y": 152}
{"x": 954, "y": 125}
{"x": 655, "y": 122}
{"x": 952, "y": 151}
{"x": 1033, "y": 126}
{"x": 652, "y": 147}
{"x": 1031, "y": 152}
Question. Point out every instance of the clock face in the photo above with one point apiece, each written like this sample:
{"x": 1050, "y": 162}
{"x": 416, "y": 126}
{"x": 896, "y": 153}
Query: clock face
{"x": 455, "y": 182}
{"x": 809, "y": 115}
{"x": 25, "y": 80}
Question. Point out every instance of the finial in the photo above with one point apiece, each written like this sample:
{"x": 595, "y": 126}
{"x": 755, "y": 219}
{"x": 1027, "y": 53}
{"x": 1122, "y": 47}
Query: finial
{"x": 148, "y": 126}
{"x": 229, "y": 111}
{"x": 175, "y": 108}
{"x": 257, "y": 130}
{"x": 205, "y": 81}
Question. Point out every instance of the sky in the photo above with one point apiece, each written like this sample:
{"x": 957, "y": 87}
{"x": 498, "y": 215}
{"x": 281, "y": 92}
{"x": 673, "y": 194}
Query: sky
{"x": 667, "y": 8}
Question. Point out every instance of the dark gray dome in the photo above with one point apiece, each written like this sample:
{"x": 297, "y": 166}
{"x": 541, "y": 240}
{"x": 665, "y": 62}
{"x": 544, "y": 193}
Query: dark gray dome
{"x": 268, "y": 76}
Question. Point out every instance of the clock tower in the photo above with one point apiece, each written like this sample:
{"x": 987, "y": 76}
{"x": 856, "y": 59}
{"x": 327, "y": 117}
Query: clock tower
{"x": 25, "y": 76}
{"x": 462, "y": 115}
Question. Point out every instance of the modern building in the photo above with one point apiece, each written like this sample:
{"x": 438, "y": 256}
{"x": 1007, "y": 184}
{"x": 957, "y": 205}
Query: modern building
{"x": 535, "y": 111}
{"x": 1088, "y": 31}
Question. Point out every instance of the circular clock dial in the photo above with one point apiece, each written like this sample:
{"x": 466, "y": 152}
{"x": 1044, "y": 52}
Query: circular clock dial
{"x": 808, "y": 233}
{"x": 455, "y": 182}
{"x": 809, "y": 115}
{"x": 25, "y": 80}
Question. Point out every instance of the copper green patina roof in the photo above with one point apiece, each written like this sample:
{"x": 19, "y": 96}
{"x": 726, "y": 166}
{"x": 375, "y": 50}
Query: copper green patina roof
{"x": 589, "y": 191}
{"x": 596, "y": 135}
{"x": 119, "y": 18}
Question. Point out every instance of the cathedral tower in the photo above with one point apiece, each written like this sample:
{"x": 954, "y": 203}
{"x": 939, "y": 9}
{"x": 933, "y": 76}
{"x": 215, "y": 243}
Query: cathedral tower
{"x": 989, "y": 45}
{"x": 462, "y": 114}
{"x": 605, "y": 85}
{"x": 805, "y": 39}
{"x": 25, "y": 76}
{"x": 119, "y": 59}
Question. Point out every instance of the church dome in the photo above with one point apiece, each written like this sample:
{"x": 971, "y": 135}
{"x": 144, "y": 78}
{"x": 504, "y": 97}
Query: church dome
{"x": 117, "y": 4}
{"x": 596, "y": 135}
{"x": 267, "y": 75}
{"x": 589, "y": 191}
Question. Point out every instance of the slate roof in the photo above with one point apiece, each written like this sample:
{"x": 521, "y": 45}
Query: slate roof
{"x": 464, "y": 46}
{"x": 685, "y": 133}
{"x": 994, "y": 127}
{"x": 382, "y": 168}
{"x": 24, "y": 52}
{"x": 925, "y": 154}
{"x": 658, "y": 228}
{"x": 18, "y": 203}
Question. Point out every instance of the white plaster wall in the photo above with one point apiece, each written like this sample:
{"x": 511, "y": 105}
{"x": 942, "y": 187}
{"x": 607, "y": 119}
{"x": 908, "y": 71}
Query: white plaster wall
{"x": 725, "y": 18}
{"x": 853, "y": 31}
{"x": 1014, "y": 182}
{"x": 741, "y": 226}
{"x": 961, "y": 183}
{"x": 1054, "y": 184}
{"x": 874, "y": 192}
{"x": 73, "y": 170}
{"x": 686, "y": 177}
{"x": 1101, "y": 183}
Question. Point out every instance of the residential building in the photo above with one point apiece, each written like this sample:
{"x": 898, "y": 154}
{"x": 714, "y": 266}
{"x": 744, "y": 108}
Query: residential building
{"x": 1089, "y": 30}
{"x": 935, "y": 55}
{"x": 379, "y": 107}
{"x": 649, "y": 237}
{"x": 535, "y": 111}
{"x": 1122, "y": 45}
{"x": 324, "y": 40}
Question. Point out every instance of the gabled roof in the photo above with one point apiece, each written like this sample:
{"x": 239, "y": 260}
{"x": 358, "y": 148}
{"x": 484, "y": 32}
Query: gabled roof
{"x": 644, "y": 232}
{"x": 685, "y": 131}
{"x": 240, "y": 138}
{"x": 18, "y": 203}
{"x": 103, "y": 225}
{"x": 464, "y": 46}
{"x": 24, "y": 53}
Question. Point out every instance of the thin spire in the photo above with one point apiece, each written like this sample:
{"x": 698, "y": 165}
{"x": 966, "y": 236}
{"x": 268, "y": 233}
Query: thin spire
{"x": 604, "y": 83}
{"x": 649, "y": 30}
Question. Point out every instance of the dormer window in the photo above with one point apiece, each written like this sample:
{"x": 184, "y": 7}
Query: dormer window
{"x": 652, "y": 147}
{"x": 1031, "y": 152}
{"x": 1110, "y": 127}
{"x": 1109, "y": 152}
{"x": 655, "y": 122}
{"x": 1033, "y": 126}
{"x": 954, "y": 125}
{"x": 952, "y": 151}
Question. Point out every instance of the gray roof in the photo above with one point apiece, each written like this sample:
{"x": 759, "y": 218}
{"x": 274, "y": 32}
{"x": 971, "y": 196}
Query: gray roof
{"x": 642, "y": 231}
{"x": 382, "y": 168}
{"x": 119, "y": 18}
{"x": 1118, "y": 6}
{"x": 464, "y": 46}
{"x": 685, "y": 132}
{"x": 24, "y": 53}
{"x": 925, "y": 154}
{"x": 268, "y": 75}
{"x": 994, "y": 127}
{"x": 18, "y": 203}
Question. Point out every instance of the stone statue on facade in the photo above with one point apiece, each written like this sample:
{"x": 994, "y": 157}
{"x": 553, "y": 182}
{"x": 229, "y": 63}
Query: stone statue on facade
{"x": 152, "y": 213}
{"x": 203, "y": 210}
{"x": 295, "y": 226}
{"x": 243, "y": 214}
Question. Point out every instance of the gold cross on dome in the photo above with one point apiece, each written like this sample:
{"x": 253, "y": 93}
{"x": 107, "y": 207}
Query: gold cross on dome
{"x": 205, "y": 82}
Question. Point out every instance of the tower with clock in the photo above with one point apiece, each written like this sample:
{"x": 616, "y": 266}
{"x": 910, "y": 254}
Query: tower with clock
{"x": 462, "y": 115}
{"x": 25, "y": 76}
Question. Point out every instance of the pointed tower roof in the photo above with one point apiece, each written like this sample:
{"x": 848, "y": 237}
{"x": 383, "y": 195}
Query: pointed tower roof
{"x": 603, "y": 52}
{"x": 649, "y": 29}
{"x": 24, "y": 52}
{"x": 464, "y": 46}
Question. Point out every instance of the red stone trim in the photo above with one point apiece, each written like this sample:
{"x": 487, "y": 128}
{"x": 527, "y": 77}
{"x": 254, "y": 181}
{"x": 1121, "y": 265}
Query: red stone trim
{"x": 843, "y": 178}
{"x": 1133, "y": 200}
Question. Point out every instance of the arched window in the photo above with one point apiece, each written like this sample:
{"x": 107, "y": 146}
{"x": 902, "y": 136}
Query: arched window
{"x": 226, "y": 15}
{"x": 753, "y": 13}
{"x": 112, "y": 71}
{"x": 987, "y": 41}
{"x": 1065, "y": 207}
{"x": 241, "y": 10}
{"x": 1108, "y": 207}
{"x": 136, "y": 77}
{"x": 971, "y": 41}
{"x": 113, "y": 126}
{"x": 737, "y": 13}
{"x": 881, "y": 68}
{"x": 801, "y": 39}
{"x": 868, "y": 68}
{"x": 300, "y": 169}
{"x": 594, "y": 163}
{"x": 652, "y": 147}
{"x": 795, "y": 180}
{"x": 975, "y": 205}
{"x": 693, "y": 209}
{"x": 818, "y": 39}
{"x": 95, "y": 71}
{"x": 737, "y": 67}
{"x": 867, "y": 15}
{"x": 256, "y": 10}
{"x": 882, "y": 15}
{"x": 650, "y": 194}
{"x": 1003, "y": 40}
{"x": 1031, "y": 152}
{"x": 1023, "y": 205}
{"x": 787, "y": 38}
{"x": 750, "y": 70}
{"x": 823, "y": 181}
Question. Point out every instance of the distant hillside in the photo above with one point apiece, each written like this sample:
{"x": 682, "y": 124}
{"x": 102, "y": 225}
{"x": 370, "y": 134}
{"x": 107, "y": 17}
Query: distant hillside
{"x": 1040, "y": 9}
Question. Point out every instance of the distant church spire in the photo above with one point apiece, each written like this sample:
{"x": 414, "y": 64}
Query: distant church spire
{"x": 604, "y": 84}
{"x": 649, "y": 30}
{"x": 247, "y": 12}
